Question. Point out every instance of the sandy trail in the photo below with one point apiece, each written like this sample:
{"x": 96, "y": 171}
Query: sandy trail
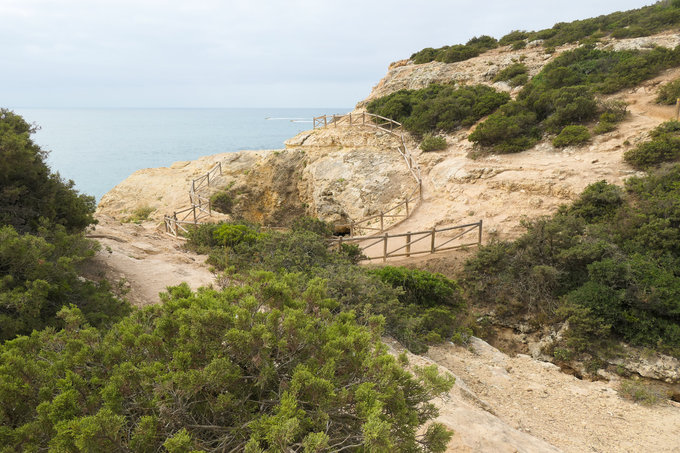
{"x": 144, "y": 260}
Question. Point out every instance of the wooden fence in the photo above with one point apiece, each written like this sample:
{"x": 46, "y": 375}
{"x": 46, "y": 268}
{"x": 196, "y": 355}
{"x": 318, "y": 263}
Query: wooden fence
{"x": 393, "y": 128}
{"x": 418, "y": 243}
{"x": 199, "y": 204}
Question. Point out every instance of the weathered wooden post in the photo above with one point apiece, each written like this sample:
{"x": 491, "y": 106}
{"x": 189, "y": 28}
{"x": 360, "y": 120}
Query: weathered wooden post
{"x": 382, "y": 222}
{"x": 385, "y": 249}
{"x": 420, "y": 188}
{"x": 351, "y": 228}
{"x": 363, "y": 119}
{"x": 408, "y": 244}
{"x": 677, "y": 109}
{"x": 480, "y": 232}
{"x": 350, "y": 119}
{"x": 339, "y": 243}
{"x": 432, "y": 241}
{"x": 407, "y": 214}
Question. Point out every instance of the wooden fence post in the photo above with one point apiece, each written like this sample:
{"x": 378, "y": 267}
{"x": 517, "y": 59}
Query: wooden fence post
{"x": 382, "y": 215}
{"x": 385, "y": 249}
{"x": 407, "y": 208}
{"x": 339, "y": 243}
{"x": 408, "y": 244}
{"x": 420, "y": 188}
{"x": 480, "y": 232}
{"x": 351, "y": 228}
{"x": 350, "y": 119}
{"x": 677, "y": 109}
{"x": 432, "y": 241}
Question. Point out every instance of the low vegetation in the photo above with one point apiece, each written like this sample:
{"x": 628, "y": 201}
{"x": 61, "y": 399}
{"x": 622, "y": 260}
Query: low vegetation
{"x": 439, "y": 107}
{"x": 458, "y": 52}
{"x": 222, "y": 202}
{"x": 239, "y": 248}
{"x": 663, "y": 146}
{"x": 608, "y": 264}
{"x": 515, "y": 75}
{"x": 669, "y": 93}
{"x": 42, "y": 246}
{"x": 432, "y": 143}
{"x": 645, "y": 21}
{"x": 564, "y": 94}
{"x": 572, "y": 136}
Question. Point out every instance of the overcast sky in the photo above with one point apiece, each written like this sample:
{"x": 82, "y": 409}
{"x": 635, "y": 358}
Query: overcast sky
{"x": 247, "y": 53}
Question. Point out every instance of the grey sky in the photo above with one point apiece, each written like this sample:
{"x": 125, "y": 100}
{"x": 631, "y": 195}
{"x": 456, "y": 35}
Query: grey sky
{"x": 249, "y": 53}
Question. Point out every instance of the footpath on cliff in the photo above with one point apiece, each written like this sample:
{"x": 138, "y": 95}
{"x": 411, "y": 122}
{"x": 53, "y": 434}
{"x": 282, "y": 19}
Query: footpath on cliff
{"x": 500, "y": 402}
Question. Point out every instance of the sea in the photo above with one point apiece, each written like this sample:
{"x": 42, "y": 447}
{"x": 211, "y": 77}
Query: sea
{"x": 98, "y": 148}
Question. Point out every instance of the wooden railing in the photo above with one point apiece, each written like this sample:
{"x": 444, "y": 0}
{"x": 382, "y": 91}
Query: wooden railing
{"x": 409, "y": 244}
{"x": 393, "y": 128}
{"x": 199, "y": 204}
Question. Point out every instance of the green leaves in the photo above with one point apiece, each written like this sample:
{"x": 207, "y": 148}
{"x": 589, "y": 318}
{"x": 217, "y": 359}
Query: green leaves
{"x": 261, "y": 367}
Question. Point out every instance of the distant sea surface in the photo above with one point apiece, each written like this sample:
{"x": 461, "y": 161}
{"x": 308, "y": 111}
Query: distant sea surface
{"x": 98, "y": 148}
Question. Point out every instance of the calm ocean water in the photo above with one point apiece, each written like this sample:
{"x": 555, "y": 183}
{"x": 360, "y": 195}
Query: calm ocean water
{"x": 98, "y": 148}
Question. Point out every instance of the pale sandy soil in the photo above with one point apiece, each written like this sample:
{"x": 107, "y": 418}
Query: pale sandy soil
{"x": 144, "y": 261}
{"x": 538, "y": 399}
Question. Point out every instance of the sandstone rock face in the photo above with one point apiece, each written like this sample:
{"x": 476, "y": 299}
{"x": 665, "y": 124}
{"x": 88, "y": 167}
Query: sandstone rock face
{"x": 336, "y": 174}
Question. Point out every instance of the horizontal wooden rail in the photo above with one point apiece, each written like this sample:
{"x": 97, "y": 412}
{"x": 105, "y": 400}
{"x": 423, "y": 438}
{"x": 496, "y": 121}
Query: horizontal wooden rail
{"x": 394, "y": 247}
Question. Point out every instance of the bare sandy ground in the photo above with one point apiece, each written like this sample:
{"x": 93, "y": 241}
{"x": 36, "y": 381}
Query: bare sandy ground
{"x": 144, "y": 262}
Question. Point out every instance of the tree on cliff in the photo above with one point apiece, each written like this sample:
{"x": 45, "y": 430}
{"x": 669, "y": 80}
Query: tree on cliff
{"x": 41, "y": 241}
{"x": 29, "y": 192}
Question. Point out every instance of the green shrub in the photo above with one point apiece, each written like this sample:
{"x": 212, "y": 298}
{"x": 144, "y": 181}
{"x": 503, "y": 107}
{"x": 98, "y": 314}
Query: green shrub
{"x": 608, "y": 264}
{"x": 572, "y": 135}
{"x": 516, "y": 74}
{"x": 458, "y": 52}
{"x": 40, "y": 276}
{"x": 438, "y": 107}
{"x": 563, "y": 94}
{"x": 669, "y": 93}
{"x": 314, "y": 225}
{"x": 222, "y": 202}
{"x": 261, "y": 366}
{"x": 513, "y": 37}
{"x": 422, "y": 287}
{"x": 432, "y": 143}
{"x": 664, "y": 146}
{"x": 231, "y": 235}
{"x": 31, "y": 194}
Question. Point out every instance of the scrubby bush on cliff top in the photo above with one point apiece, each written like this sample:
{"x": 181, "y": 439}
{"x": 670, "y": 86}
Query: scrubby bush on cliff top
{"x": 439, "y": 107}
{"x": 609, "y": 264}
{"x": 264, "y": 366}
{"x": 41, "y": 244}
{"x": 563, "y": 94}
{"x": 664, "y": 146}
{"x": 28, "y": 190}
{"x": 644, "y": 21}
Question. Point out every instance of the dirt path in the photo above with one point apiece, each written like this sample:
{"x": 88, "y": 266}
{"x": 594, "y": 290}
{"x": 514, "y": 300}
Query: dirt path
{"x": 144, "y": 261}
{"x": 537, "y": 398}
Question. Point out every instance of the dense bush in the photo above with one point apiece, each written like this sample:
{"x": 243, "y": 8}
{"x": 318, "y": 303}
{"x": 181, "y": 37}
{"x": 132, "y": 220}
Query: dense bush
{"x": 669, "y": 93}
{"x": 664, "y": 146}
{"x": 572, "y": 135}
{"x": 438, "y": 107}
{"x": 458, "y": 52}
{"x": 29, "y": 192}
{"x": 262, "y": 366}
{"x": 644, "y": 21}
{"x": 222, "y": 202}
{"x": 432, "y": 143}
{"x": 563, "y": 94}
{"x": 41, "y": 241}
{"x": 305, "y": 251}
{"x": 515, "y": 75}
{"x": 610, "y": 264}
